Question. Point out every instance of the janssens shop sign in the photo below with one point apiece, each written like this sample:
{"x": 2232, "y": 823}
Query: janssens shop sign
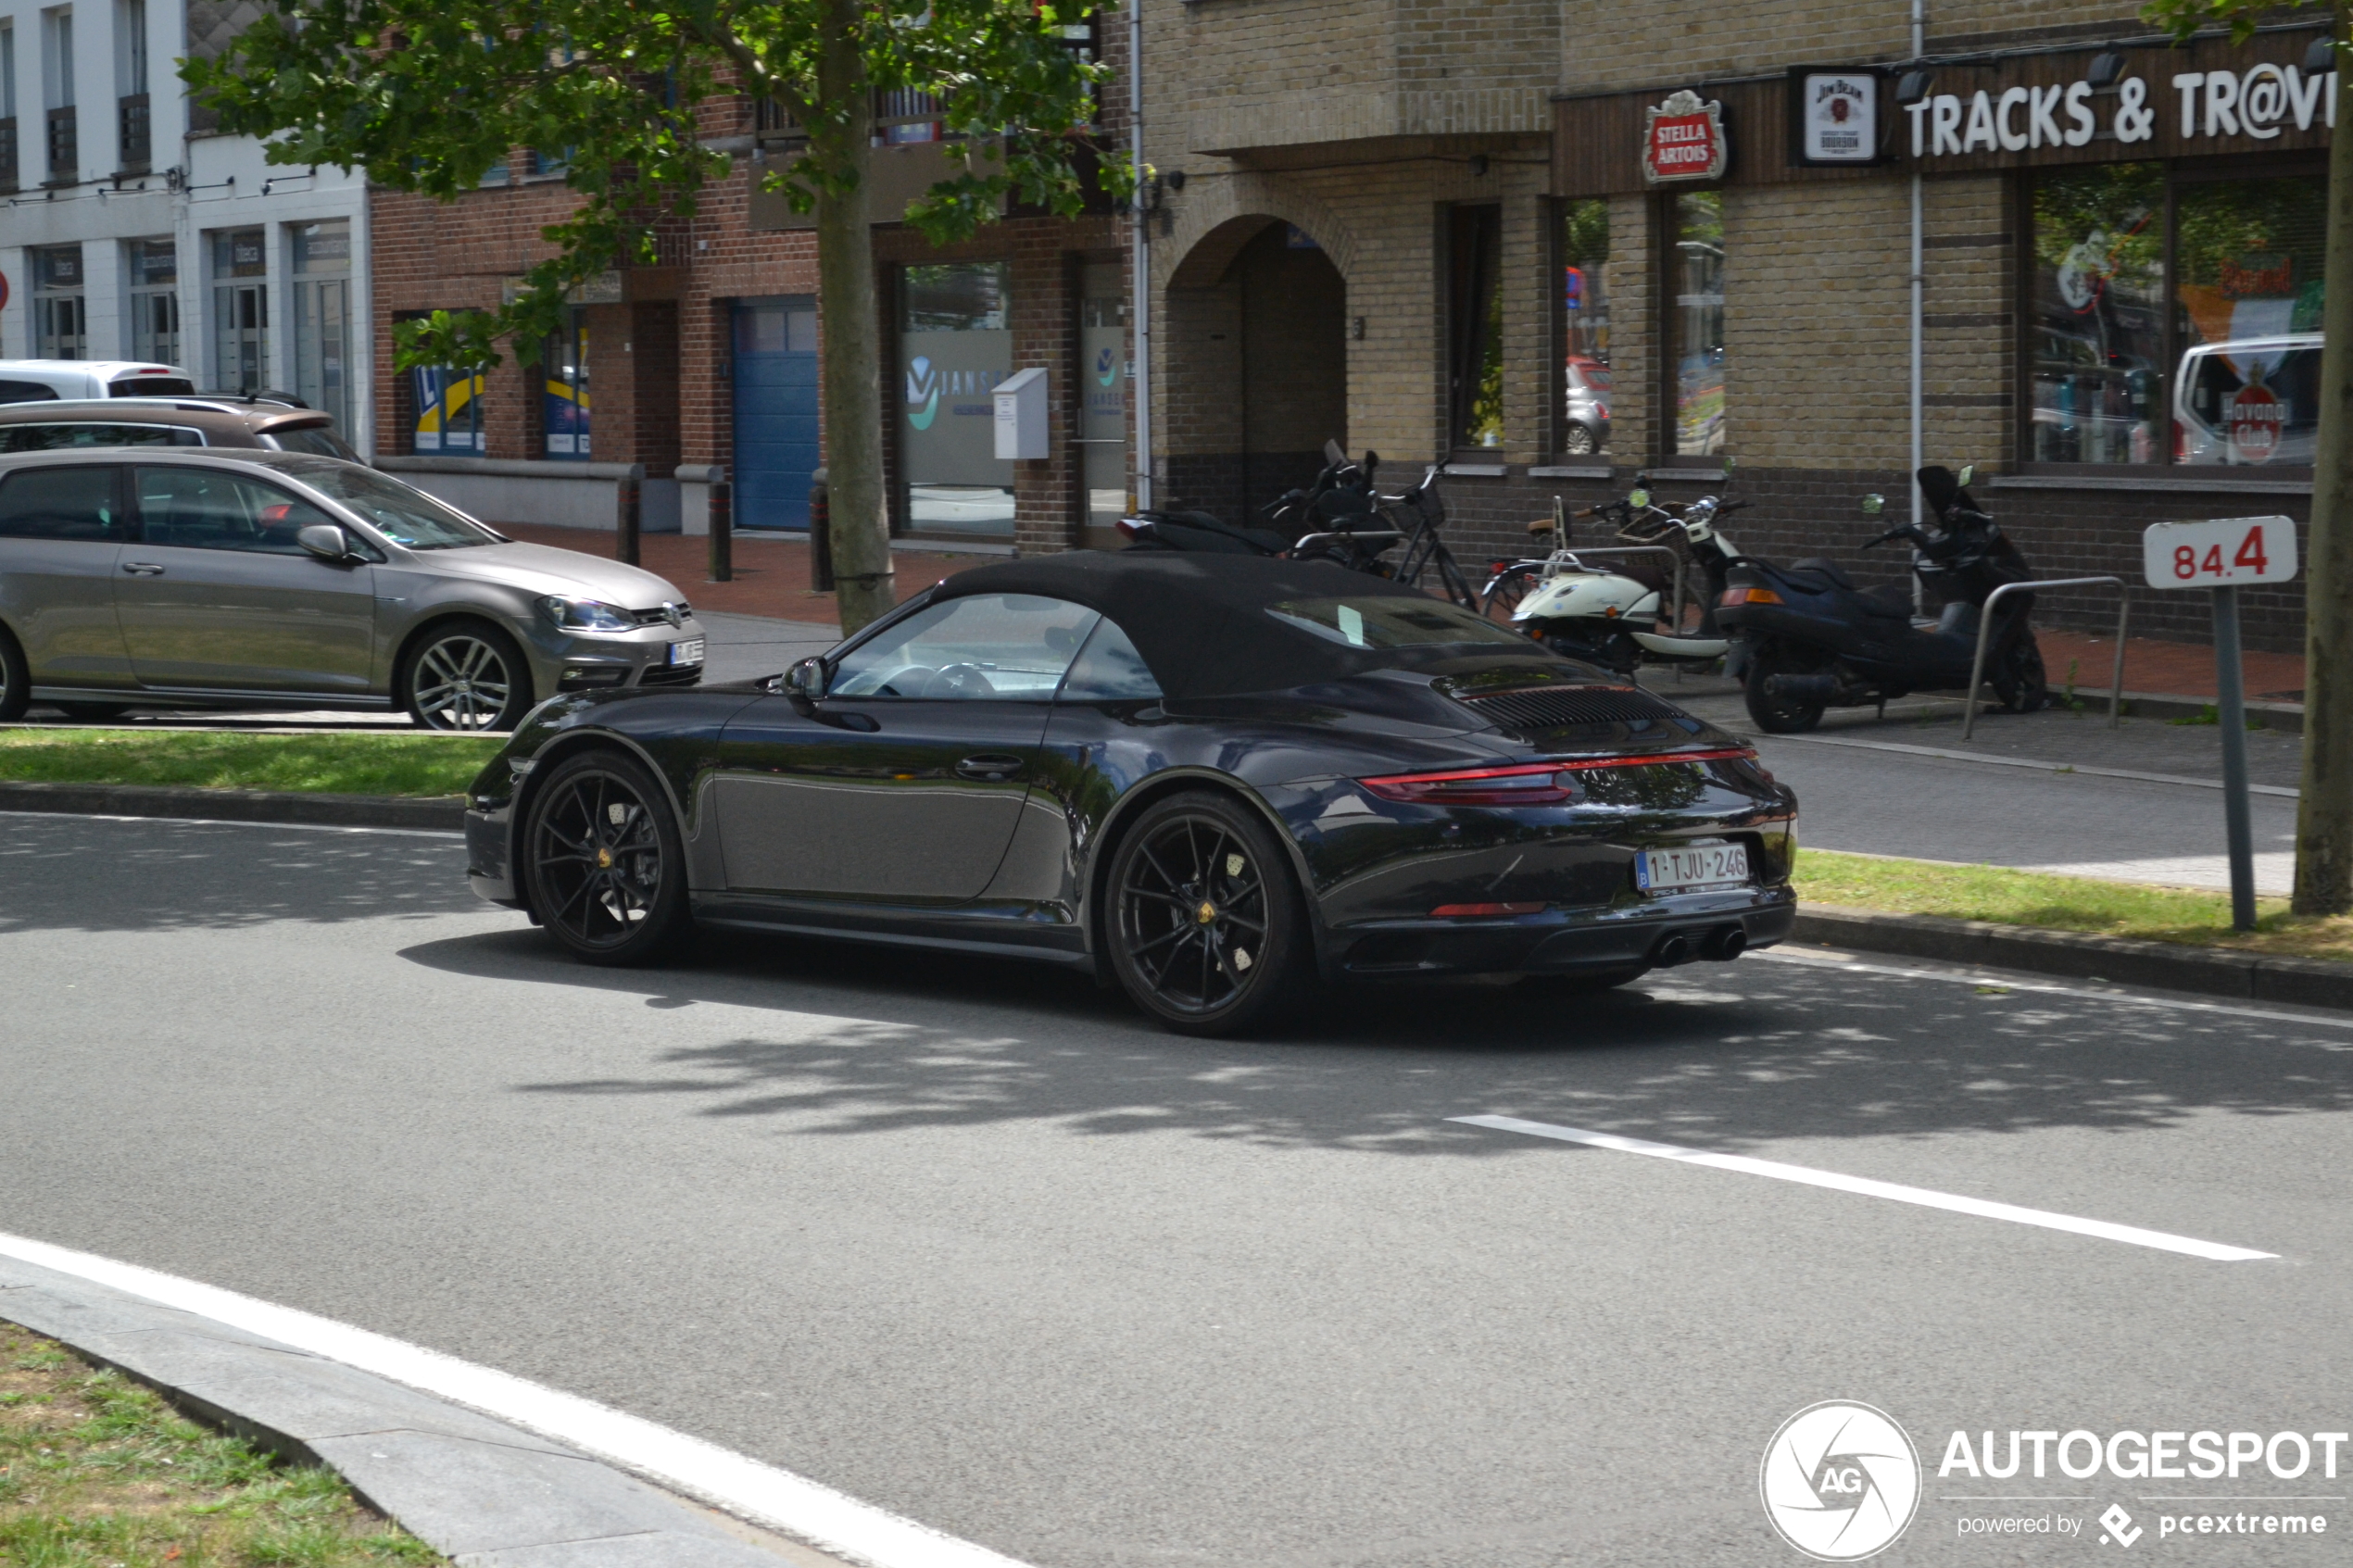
{"x": 2211, "y": 97}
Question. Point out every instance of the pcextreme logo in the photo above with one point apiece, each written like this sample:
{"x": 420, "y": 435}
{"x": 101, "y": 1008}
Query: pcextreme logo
{"x": 922, "y": 392}
{"x": 1840, "y": 1481}
{"x": 1106, "y": 369}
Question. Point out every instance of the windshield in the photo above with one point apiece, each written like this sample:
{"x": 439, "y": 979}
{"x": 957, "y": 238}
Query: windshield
{"x": 317, "y": 440}
{"x": 1393, "y": 623}
{"x": 405, "y": 516}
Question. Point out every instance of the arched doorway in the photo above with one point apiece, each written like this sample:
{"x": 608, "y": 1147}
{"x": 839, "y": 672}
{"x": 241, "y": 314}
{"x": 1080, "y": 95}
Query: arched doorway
{"x": 1257, "y": 361}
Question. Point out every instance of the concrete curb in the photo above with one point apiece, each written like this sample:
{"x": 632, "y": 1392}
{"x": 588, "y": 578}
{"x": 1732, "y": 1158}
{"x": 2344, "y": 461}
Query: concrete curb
{"x": 446, "y": 814}
{"x": 479, "y": 1491}
{"x": 2215, "y": 972}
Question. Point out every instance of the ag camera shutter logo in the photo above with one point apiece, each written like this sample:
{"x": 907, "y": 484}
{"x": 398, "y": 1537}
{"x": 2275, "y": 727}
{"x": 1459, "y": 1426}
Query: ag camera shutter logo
{"x": 1840, "y": 1481}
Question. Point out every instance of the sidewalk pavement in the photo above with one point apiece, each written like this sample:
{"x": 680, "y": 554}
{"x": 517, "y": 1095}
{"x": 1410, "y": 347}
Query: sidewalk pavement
{"x": 2161, "y": 668}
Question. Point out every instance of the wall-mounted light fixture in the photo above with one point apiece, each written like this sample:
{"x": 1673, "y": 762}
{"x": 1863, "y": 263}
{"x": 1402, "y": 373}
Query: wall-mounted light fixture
{"x": 1912, "y": 85}
{"x": 1479, "y": 166}
{"x": 1175, "y": 179}
{"x": 2320, "y": 57}
{"x": 2106, "y": 65}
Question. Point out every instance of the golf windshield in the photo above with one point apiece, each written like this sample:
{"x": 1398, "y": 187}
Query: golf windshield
{"x": 1392, "y": 623}
{"x": 405, "y": 516}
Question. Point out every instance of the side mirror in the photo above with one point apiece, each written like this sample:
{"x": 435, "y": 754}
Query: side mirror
{"x": 325, "y": 540}
{"x": 1969, "y": 471}
{"x": 805, "y": 681}
{"x": 1874, "y": 504}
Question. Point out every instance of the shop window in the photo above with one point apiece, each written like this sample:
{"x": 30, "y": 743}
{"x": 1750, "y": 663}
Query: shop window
{"x": 60, "y": 319}
{"x": 240, "y": 311}
{"x": 1584, "y": 299}
{"x": 450, "y": 409}
{"x": 2095, "y": 347}
{"x": 154, "y": 301}
{"x": 323, "y": 318}
{"x": 564, "y": 406}
{"x": 1474, "y": 326}
{"x": 955, "y": 344}
{"x": 2248, "y": 258}
{"x": 1102, "y": 350}
{"x": 1695, "y": 324}
{"x": 2173, "y": 321}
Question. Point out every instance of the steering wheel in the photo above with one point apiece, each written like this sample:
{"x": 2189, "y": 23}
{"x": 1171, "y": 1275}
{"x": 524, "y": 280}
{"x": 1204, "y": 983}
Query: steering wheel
{"x": 957, "y": 681}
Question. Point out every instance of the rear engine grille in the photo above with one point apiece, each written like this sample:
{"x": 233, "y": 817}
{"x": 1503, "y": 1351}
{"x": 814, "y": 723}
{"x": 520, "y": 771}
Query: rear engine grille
{"x": 1549, "y": 708}
{"x": 671, "y": 675}
{"x": 658, "y": 617}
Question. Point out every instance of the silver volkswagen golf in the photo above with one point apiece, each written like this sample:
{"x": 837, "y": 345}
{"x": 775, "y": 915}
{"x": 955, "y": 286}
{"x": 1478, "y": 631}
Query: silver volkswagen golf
{"x": 179, "y": 578}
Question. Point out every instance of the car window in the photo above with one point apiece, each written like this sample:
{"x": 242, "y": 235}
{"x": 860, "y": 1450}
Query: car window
{"x": 55, "y": 437}
{"x": 152, "y": 386}
{"x": 317, "y": 440}
{"x": 1109, "y": 670}
{"x": 1008, "y": 646}
{"x": 210, "y": 510}
{"x": 75, "y": 503}
{"x": 27, "y": 392}
{"x": 404, "y": 515}
{"x": 1392, "y": 623}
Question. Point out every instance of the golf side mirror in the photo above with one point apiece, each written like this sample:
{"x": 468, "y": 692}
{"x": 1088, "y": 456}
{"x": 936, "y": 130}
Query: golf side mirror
{"x": 1874, "y": 504}
{"x": 324, "y": 539}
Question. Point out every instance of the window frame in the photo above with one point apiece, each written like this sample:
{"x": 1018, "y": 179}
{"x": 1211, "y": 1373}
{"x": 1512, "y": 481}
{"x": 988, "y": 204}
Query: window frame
{"x": 1665, "y": 263}
{"x": 2166, "y": 471}
{"x": 1462, "y": 339}
{"x": 137, "y": 518}
{"x": 122, "y": 531}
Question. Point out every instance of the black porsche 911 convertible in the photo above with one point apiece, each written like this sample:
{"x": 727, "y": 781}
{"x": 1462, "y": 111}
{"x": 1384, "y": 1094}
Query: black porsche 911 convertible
{"x": 1213, "y": 778}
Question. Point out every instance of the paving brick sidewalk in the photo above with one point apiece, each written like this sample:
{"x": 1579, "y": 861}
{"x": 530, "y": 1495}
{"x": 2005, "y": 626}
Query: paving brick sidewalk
{"x": 771, "y": 573}
{"x": 2165, "y": 669}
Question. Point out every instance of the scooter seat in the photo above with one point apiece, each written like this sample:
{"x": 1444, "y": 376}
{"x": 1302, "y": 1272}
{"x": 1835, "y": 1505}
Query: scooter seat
{"x": 1827, "y": 567}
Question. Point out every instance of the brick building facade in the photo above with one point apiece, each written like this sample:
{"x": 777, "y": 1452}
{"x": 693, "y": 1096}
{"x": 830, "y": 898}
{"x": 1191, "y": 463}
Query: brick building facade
{"x": 702, "y": 365}
{"x": 1429, "y": 232}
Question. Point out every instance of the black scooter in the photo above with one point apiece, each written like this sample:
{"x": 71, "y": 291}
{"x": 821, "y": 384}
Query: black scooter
{"x": 1809, "y": 639}
{"x": 1337, "y": 519}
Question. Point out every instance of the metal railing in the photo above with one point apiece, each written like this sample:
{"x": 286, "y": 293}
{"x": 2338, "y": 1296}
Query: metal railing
{"x": 65, "y": 145}
{"x": 9, "y": 153}
{"x": 132, "y": 121}
{"x": 1985, "y": 627}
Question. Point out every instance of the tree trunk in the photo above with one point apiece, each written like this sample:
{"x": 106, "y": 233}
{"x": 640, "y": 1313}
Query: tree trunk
{"x": 2325, "y": 814}
{"x": 852, "y": 338}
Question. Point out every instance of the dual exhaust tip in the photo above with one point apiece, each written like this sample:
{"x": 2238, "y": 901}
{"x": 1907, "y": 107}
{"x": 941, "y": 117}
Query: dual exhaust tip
{"x": 1720, "y": 945}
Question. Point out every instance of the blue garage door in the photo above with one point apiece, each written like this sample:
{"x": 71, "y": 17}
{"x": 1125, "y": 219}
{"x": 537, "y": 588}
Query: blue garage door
{"x": 776, "y": 410}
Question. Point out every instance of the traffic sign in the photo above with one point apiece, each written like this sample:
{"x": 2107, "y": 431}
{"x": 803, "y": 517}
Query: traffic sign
{"x": 2219, "y": 552}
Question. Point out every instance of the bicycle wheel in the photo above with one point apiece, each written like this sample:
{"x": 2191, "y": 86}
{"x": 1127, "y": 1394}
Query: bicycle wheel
{"x": 1507, "y": 589}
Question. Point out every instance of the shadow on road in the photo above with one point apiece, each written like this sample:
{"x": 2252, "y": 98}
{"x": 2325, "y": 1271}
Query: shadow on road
{"x": 866, "y": 1041}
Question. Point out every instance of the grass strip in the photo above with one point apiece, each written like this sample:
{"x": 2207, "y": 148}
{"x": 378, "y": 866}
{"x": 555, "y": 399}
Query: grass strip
{"x": 96, "y": 1471}
{"x": 339, "y": 763}
{"x": 2187, "y": 915}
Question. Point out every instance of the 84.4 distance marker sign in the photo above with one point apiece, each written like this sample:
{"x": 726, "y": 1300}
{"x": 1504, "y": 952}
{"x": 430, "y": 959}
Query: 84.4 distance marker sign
{"x": 2219, "y": 554}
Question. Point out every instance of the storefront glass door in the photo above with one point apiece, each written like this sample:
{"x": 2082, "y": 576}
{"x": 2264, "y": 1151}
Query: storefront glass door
{"x": 955, "y": 344}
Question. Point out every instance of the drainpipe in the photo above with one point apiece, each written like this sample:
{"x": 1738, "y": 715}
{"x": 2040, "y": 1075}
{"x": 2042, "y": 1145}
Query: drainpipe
{"x": 1920, "y": 282}
{"x": 1140, "y": 305}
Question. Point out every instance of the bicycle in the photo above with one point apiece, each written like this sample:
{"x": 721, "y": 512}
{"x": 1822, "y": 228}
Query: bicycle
{"x": 1425, "y": 551}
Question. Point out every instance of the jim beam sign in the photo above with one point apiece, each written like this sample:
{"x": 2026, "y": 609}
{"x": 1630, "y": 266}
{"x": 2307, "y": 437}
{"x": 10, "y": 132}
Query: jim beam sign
{"x": 1683, "y": 140}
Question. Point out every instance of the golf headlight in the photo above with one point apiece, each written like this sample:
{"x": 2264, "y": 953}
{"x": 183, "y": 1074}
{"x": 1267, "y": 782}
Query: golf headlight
{"x": 587, "y": 615}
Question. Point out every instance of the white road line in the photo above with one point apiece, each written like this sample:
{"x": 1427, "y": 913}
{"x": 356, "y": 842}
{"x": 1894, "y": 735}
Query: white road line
{"x": 225, "y": 822}
{"x": 2008, "y": 981}
{"x": 1892, "y": 1190}
{"x": 794, "y": 1504}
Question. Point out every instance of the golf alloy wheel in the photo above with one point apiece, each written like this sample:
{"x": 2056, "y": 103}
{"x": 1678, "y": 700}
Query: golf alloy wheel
{"x": 1205, "y": 921}
{"x": 606, "y": 865}
{"x": 468, "y": 678}
{"x": 16, "y": 680}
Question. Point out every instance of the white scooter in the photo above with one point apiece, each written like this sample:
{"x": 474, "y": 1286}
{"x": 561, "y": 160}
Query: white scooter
{"x": 1626, "y": 612}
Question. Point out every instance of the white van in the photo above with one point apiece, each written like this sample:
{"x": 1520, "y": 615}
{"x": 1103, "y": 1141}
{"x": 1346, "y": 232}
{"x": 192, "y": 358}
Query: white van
{"x": 2250, "y": 400}
{"x": 38, "y": 381}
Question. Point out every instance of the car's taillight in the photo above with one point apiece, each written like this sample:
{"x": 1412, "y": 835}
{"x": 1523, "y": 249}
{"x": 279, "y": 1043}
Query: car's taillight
{"x": 1533, "y": 783}
{"x": 1473, "y": 911}
{"x": 1749, "y": 596}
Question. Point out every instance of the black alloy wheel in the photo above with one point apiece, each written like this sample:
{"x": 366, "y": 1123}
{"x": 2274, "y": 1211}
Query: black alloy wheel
{"x": 16, "y": 680}
{"x": 1206, "y": 930}
{"x": 1777, "y": 713}
{"x": 606, "y": 868}
{"x": 466, "y": 675}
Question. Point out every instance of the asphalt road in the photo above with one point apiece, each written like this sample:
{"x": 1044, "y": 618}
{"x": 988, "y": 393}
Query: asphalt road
{"x": 974, "y": 1244}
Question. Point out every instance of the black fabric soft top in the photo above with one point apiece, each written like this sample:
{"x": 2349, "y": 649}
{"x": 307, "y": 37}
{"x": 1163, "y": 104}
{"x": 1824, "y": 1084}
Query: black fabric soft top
{"x": 1199, "y": 620}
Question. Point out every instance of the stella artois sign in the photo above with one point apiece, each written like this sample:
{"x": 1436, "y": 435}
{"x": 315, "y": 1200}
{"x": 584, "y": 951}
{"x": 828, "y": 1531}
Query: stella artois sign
{"x": 1684, "y": 139}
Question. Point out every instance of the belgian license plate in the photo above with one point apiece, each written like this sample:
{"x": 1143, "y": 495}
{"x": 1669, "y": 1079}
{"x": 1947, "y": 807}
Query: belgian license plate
{"x": 1692, "y": 868}
{"x": 686, "y": 653}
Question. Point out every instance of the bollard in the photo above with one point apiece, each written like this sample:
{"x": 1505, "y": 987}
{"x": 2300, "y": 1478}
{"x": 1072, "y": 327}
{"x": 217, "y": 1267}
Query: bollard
{"x": 821, "y": 534}
{"x": 629, "y": 520}
{"x": 722, "y": 534}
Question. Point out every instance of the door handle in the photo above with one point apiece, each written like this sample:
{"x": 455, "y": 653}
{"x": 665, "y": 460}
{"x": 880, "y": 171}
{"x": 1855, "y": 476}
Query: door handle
{"x": 990, "y": 765}
{"x": 142, "y": 568}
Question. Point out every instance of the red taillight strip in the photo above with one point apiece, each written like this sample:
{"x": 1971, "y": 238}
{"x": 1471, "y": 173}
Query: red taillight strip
{"x": 1567, "y": 765}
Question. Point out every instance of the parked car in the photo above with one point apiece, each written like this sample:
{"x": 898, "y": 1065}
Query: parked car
{"x": 1207, "y": 778}
{"x": 1588, "y": 392}
{"x": 170, "y": 422}
{"x": 2249, "y": 400}
{"x": 42, "y": 381}
{"x": 209, "y": 577}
